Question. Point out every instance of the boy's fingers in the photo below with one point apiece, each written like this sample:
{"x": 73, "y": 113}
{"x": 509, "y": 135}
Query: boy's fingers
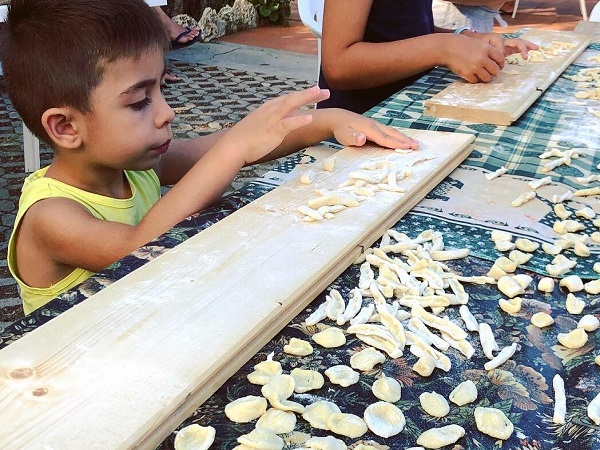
{"x": 292, "y": 123}
{"x": 297, "y": 99}
{"x": 405, "y": 141}
{"x": 384, "y": 136}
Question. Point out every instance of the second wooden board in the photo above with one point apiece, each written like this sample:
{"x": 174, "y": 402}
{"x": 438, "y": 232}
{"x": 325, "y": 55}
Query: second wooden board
{"x": 514, "y": 89}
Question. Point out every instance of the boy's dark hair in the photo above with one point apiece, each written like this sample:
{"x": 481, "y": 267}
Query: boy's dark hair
{"x": 54, "y": 52}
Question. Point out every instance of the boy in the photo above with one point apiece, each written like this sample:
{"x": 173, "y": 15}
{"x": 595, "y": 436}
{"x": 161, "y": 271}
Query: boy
{"x": 85, "y": 77}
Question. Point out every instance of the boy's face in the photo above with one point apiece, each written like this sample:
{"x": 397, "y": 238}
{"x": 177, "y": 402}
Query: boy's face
{"x": 129, "y": 125}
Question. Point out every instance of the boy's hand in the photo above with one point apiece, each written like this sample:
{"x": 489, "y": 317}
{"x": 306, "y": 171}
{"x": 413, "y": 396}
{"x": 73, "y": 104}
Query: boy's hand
{"x": 264, "y": 129}
{"x": 353, "y": 129}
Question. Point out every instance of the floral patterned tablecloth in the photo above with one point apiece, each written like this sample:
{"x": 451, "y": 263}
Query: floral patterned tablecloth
{"x": 521, "y": 387}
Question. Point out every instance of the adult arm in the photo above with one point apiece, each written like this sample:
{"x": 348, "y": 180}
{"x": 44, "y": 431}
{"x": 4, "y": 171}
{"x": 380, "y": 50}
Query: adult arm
{"x": 350, "y": 63}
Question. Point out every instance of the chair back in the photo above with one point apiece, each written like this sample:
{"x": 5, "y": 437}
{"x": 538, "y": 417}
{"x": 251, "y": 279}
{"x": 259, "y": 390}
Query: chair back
{"x": 595, "y": 14}
{"x": 311, "y": 15}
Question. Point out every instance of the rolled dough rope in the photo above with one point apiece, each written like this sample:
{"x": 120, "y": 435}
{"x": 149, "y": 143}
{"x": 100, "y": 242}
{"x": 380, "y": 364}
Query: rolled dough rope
{"x": 501, "y": 171}
{"x": 587, "y": 192}
{"x": 488, "y": 342}
{"x": 535, "y": 184}
{"x": 501, "y": 357}
{"x": 335, "y": 198}
{"x": 372, "y": 177}
{"x": 420, "y": 160}
{"x": 470, "y": 321}
{"x": 560, "y": 400}
{"x": 593, "y": 410}
{"x": 550, "y": 153}
{"x": 561, "y": 198}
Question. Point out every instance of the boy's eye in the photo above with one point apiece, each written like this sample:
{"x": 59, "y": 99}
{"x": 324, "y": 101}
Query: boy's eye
{"x": 138, "y": 106}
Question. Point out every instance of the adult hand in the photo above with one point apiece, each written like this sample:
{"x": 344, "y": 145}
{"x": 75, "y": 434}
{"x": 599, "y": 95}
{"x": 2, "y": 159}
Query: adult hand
{"x": 496, "y": 40}
{"x": 519, "y": 46}
{"x": 473, "y": 59}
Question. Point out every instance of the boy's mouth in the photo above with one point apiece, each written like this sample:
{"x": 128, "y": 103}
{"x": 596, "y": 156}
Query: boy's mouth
{"x": 162, "y": 148}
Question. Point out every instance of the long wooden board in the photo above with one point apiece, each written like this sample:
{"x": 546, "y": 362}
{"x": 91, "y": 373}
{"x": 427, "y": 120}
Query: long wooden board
{"x": 125, "y": 367}
{"x": 591, "y": 29}
{"x": 504, "y": 99}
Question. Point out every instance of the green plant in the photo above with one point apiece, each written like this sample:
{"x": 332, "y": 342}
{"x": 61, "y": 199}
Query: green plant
{"x": 273, "y": 11}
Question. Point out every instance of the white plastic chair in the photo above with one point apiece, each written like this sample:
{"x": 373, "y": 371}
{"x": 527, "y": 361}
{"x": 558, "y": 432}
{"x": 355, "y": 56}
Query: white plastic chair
{"x": 311, "y": 15}
{"x": 595, "y": 14}
{"x": 582, "y": 7}
{"x": 31, "y": 144}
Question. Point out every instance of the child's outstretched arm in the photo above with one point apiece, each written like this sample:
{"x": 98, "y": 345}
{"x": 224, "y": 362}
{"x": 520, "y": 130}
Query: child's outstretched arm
{"x": 347, "y": 127}
{"x": 67, "y": 233}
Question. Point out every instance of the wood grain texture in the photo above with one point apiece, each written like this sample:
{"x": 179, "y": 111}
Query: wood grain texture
{"x": 504, "y": 99}
{"x": 126, "y": 366}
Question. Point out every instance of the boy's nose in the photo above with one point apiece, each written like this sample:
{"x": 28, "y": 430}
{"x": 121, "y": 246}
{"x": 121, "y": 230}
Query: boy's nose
{"x": 165, "y": 115}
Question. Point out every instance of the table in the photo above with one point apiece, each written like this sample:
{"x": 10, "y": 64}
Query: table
{"x": 522, "y": 387}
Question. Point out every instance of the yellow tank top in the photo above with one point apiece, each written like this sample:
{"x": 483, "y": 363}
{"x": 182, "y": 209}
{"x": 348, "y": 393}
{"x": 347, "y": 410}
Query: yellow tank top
{"x": 145, "y": 189}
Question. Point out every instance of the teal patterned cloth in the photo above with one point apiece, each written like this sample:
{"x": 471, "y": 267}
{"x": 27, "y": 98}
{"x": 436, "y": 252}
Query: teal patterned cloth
{"x": 521, "y": 387}
{"x": 556, "y": 121}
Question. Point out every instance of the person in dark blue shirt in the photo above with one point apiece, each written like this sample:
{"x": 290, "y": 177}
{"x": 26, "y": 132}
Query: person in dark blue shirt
{"x": 373, "y": 48}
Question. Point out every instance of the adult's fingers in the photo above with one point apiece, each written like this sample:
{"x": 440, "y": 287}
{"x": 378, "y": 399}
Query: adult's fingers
{"x": 497, "y": 56}
{"x": 496, "y": 40}
{"x": 521, "y": 46}
{"x": 487, "y": 71}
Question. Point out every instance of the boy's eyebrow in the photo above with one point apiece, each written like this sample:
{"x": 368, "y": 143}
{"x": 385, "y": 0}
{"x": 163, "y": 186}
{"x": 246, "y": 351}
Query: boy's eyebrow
{"x": 143, "y": 84}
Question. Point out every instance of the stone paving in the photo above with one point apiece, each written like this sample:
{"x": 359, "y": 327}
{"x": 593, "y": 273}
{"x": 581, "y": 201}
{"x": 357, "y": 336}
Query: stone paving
{"x": 209, "y": 97}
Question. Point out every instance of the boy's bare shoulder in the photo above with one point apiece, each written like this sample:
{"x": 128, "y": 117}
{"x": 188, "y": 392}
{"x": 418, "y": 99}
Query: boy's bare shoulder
{"x": 52, "y": 219}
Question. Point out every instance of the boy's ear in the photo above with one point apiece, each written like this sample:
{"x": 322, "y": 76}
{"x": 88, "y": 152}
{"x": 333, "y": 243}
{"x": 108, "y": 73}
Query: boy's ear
{"x": 62, "y": 126}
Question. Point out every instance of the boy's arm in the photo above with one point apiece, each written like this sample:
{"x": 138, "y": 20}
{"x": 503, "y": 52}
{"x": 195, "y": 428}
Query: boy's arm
{"x": 347, "y": 127}
{"x": 66, "y": 233}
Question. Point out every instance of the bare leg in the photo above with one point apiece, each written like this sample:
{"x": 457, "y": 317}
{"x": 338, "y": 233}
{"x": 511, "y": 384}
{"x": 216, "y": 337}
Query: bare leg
{"x": 507, "y": 7}
{"x": 174, "y": 29}
{"x": 170, "y": 77}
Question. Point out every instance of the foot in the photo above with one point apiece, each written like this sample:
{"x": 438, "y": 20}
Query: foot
{"x": 176, "y": 32}
{"x": 170, "y": 78}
